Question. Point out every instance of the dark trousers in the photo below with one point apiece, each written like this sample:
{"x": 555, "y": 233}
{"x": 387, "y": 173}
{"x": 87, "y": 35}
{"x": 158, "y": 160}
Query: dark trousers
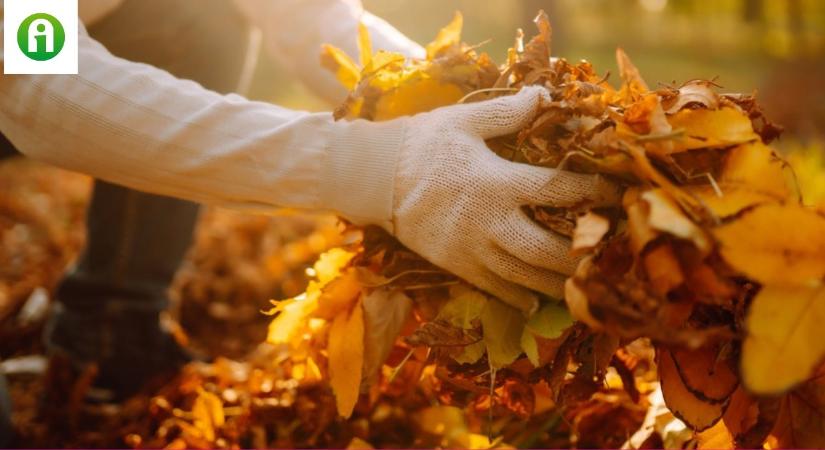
{"x": 136, "y": 241}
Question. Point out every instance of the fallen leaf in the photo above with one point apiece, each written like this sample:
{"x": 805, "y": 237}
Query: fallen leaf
{"x": 590, "y": 229}
{"x": 706, "y": 372}
{"x": 385, "y": 313}
{"x": 207, "y": 414}
{"x": 697, "y": 413}
{"x": 464, "y": 308}
{"x": 784, "y": 341}
{"x": 502, "y": 326}
{"x": 447, "y": 37}
{"x": 801, "y": 421}
{"x": 666, "y": 216}
{"x": 705, "y": 128}
{"x": 776, "y": 244}
{"x": 346, "y": 358}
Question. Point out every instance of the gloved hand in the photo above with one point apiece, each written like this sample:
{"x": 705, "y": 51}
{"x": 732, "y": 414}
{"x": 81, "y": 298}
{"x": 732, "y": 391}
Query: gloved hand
{"x": 459, "y": 205}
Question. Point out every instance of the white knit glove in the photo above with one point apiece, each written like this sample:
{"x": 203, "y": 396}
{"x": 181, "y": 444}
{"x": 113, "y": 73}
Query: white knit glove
{"x": 458, "y": 204}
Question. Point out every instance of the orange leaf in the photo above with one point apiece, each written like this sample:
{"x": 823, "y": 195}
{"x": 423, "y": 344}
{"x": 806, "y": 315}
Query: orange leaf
{"x": 695, "y": 412}
{"x": 346, "y": 358}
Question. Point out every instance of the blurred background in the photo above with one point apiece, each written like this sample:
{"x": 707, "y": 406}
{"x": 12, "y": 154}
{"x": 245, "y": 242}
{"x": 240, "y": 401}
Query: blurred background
{"x": 776, "y": 47}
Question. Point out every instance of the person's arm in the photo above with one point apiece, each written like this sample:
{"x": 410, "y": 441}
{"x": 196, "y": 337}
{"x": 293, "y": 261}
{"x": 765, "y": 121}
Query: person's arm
{"x": 294, "y": 31}
{"x": 136, "y": 125}
{"x": 428, "y": 179}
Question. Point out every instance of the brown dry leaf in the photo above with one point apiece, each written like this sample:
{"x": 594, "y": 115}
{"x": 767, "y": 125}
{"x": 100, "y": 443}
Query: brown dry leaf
{"x": 784, "y": 342}
{"x": 667, "y": 217}
{"x": 663, "y": 270}
{"x": 801, "y": 421}
{"x": 692, "y": 93}
{"x": 695, "y": 412}
{"x": 385, "y": 313}
{"x": 740, "y": 417}
{"x": 707, "y": 372}
{"x": 633, "y": 80}
{"x": 590, "y": 229}
{"x": 346, "y": 358}
{"x": 776, "y": 244}
{"x": 576, "y": 298}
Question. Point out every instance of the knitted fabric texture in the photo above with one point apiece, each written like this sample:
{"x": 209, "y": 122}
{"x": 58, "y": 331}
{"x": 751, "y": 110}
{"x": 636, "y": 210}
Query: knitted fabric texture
{"x": 460, "y": 205}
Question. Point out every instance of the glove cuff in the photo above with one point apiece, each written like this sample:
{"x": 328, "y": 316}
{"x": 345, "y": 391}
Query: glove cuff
{"x": 358, "y": 170}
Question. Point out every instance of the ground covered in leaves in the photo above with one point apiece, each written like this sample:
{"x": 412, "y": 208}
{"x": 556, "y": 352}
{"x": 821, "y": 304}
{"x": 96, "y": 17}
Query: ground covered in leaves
{"x": 692, "y": 320}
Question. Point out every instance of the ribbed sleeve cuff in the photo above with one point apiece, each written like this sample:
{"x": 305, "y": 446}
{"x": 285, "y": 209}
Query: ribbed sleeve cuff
{"x": 358, "y": 174}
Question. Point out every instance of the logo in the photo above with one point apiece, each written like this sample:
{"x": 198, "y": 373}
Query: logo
{"x": 41, "y": 37}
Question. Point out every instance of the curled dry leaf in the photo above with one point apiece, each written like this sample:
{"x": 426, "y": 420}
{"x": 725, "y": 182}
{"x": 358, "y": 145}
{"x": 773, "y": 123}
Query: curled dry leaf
{"x": 590, "y": 229}
{"x": 697, "y": 413}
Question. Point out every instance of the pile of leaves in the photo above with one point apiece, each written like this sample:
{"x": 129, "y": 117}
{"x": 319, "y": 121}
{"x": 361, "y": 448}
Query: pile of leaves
{"x": 691, "y": 320}
{"x": 711, "y": 256}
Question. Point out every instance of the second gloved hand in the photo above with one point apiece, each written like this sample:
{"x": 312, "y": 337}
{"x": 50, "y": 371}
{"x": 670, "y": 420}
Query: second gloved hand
{"x": 459, "y": 205}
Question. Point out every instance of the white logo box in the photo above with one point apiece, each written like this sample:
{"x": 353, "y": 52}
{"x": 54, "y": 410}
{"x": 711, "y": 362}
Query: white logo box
{"x": 15, "y": 12}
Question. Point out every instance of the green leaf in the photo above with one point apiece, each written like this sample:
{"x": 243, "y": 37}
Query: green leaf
{"x": 550, "y": 321}
{"x": 464, "y": 308}
{"x": 530, "y": 346}
{"x": 471, "y": 353}
{"x": 502, "y": 326}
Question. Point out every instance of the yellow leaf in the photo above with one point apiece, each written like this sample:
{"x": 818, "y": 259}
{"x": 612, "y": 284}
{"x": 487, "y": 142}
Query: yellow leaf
{"x": 207, "y": 413}
{"x": 784, "y": 342}
{"x": 359, "y": 444}
{"x": 291, "y": 319}
{"x": 752, "y": 174}
{"x": 346, "y": 71}
{"x": 330, "y": 265}
{"x": 502, "y": 326}
{"x": 776, "y": 244}
{"x": 705, "y": 128}
{"x": 364, "y": 45}
{"x": 414, "y": 97}
{"x": 447, "y": 37}
{"x": 338, "y": 296}
{"x": 346, "y": 358}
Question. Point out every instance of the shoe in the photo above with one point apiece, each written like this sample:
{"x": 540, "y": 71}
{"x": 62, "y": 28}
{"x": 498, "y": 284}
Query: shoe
{"x": 123, "y": 338}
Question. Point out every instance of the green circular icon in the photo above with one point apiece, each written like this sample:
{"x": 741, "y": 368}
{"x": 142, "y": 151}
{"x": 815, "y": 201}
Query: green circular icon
{"x": 41, "y": 37}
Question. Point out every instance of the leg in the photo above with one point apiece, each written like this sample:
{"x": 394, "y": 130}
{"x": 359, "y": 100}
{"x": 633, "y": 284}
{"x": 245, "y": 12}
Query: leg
{"x": 109, "y": 306}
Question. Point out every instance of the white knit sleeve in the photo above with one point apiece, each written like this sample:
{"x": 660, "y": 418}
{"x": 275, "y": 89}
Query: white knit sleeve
{"x": 138, "y": 126}
{"x": 295, "y": 30}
